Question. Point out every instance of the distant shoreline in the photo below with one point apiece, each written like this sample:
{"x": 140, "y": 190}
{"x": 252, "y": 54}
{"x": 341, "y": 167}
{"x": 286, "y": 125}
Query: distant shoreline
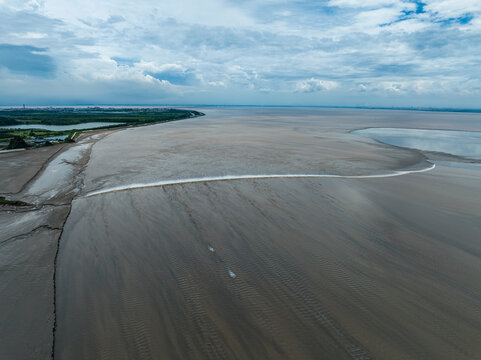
{"x": 38, "y": 124}
{"x": 150, "y": 106}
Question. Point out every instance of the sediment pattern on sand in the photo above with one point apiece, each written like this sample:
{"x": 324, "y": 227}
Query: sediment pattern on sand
{"x": 274, "y": 268}
{"x": 357, "y": 265}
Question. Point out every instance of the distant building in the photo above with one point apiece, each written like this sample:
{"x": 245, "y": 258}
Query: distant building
{"x": 39, "y": 141}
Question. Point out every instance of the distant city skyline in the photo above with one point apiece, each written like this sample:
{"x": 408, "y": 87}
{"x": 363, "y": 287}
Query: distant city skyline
{"x": 371, "y": 53}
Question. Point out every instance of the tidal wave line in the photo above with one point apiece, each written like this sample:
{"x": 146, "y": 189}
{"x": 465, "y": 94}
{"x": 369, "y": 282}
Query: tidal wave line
{"x": 248, "y": 177}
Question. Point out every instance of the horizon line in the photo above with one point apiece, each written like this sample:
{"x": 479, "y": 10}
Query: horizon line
{"x": 410, "y": 108}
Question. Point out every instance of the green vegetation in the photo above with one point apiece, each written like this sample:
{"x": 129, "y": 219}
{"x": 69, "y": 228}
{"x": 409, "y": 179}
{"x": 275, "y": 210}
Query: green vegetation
{"x": 7, "y": 134}
{"x": 3, "y": 201}
{"x": 5, "y": 121}
{"x": 72, "y": 116}
{"x": 77, "y": 116}
{"x": 17, "y": 143}
{"x": 70, "y": 137}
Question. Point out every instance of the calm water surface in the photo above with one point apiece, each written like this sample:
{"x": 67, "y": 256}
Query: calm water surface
{"x": 461, "y": 143}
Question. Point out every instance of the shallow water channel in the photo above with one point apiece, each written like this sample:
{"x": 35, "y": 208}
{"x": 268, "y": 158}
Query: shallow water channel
{"x": 461, "y": 143}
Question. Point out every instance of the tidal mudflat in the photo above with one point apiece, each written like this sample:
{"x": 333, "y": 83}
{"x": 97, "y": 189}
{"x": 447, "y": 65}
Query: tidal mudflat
{"x": 382, "y": 260}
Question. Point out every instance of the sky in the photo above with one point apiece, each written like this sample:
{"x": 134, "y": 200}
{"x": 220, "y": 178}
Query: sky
{"x": 380, "y": 53}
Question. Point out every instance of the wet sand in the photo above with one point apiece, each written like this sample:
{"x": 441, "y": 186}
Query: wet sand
{"x": 291, "y": 268}
{"x": 48, "y": 179}
{"x": 18, "y": 168}
{"x": 324, "y": 268}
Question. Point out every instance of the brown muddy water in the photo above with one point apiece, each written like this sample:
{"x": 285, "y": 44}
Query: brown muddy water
{"x": 359, "y": 266}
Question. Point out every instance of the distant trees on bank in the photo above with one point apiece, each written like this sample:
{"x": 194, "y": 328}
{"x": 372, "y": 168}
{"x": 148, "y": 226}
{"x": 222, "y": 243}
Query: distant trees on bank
{"x": 17, "y": 143}
{"x": 5, "y": 121}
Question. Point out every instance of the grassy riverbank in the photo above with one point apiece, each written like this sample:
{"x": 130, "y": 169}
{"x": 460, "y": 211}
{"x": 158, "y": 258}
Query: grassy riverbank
{"x": 72, "y": 117}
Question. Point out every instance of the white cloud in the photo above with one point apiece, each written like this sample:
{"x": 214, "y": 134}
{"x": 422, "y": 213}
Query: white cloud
{"x": 364, "y": 3}
{"x": 30, "y": 35}
{"x": 313, "y": 84}
{"x": 212, "y": 12}
{"x": 409, "y": 26}
{"x": 271, "y": 49}
{"x": 373, "y": 18}
{"x": 22, "y": 4}
{"x": 446, "y": 9}
{"x": 157, "y": 68}
{"x": 217, "y": 83}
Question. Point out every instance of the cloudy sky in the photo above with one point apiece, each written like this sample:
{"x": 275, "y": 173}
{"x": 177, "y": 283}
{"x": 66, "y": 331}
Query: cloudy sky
{"x": 272, "y": 52}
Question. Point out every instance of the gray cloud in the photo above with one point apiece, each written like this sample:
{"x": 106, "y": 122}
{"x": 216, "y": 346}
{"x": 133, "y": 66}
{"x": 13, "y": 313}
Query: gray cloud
{"x": 28, "y": 60}
{"x": 25, "y": 21}
{"x": 382, "y": 51}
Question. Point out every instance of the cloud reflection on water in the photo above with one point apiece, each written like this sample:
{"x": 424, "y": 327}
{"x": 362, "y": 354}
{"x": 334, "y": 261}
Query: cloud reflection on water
{"x": 461, "y": 143}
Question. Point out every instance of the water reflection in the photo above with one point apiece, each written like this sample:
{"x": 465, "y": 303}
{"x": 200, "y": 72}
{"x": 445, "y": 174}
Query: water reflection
{"x": 460, "y": 143}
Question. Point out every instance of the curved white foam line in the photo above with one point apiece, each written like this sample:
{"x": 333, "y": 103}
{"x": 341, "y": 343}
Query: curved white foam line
{"x": 240, "y": 177}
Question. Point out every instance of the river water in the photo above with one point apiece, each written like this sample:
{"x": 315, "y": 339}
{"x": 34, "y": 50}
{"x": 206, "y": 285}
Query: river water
{"x": 258, "y": 268}
{"x": 461, "y": 143}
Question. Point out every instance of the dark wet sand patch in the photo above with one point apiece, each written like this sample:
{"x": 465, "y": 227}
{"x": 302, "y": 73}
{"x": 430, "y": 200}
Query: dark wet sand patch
{"x": 26, "y": 303}
{"x": 18, "y": 168}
